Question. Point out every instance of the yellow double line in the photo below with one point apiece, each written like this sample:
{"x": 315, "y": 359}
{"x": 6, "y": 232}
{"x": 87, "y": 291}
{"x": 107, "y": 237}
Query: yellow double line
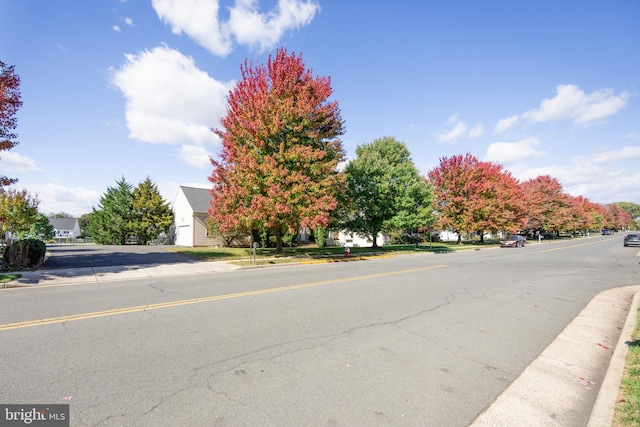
{"x": 126, "y": 310}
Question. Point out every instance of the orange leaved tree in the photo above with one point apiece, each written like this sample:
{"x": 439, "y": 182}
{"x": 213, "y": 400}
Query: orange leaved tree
{"x": 9, "y": 104}
{"x": 475, "y": 196}
{"x": 277, "y": 168}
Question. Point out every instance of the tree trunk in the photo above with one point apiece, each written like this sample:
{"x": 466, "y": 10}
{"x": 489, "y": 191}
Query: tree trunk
{"x": 279, "y": 243}
{"x": 375, "y": 240}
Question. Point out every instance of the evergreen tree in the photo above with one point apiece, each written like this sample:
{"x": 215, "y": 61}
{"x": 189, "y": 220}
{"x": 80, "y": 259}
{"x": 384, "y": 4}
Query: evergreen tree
{"x": 111, "y": 223}
{"x": 151, "y": 213}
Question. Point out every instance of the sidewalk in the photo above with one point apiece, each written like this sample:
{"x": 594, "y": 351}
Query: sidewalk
{"x": 70, "y": 276}
{"x": 556, "y": 389}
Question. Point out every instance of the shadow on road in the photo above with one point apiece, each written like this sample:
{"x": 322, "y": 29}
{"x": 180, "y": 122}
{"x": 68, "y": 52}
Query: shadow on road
{"x": 105, "y": 256}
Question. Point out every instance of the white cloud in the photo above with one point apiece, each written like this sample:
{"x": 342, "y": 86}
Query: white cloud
{"x": 195, "y": 155}
{"x": 250, "y": 27}
{"x": 615, "y": 156}
{"x": 116, "y": 29}
{"x": 571, "y": 103}
{"x": 170, "y": 100}
{"x": 513, "y": 152}
{"x": 458, "y": 131}
{"x": 594, "y": 177}
{"x": 505, "y": 124}
{"x": 56, "y": 198}
{"x": 128, "y": 21}
{"x": 12, "y": 161}
{"x": 199, "y": 19}
{"x": 476, "y": 132}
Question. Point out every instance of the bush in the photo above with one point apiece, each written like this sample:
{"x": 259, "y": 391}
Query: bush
{"x": 405, "y": 239}
{"x": 25, "y": 253}
{"x": 320, "y": 235}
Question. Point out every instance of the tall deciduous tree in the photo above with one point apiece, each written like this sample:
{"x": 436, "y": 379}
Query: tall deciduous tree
{"x": 9, "y": 104}
{"x": 547, "y": 204}
{"x": 456, "y": 182}
{"x": 499, "y": 205}
{"x": 632, "y": 209}
{"x": 277, "y": 169}
{"x": 385, "y": 190}
{"x": 18, "y": 211}
{"x": 475, "y": 196}
{"x": 111, "y": 222}
{"x": 151, "y": 214}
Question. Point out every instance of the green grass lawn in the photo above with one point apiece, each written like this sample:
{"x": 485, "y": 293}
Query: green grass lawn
{"x": 6, "y": 278}
{"x": 308, "y": 253}
{"x": 628, "y": 405}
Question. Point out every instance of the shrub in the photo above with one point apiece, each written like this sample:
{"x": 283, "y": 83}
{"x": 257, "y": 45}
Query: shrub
{"x": 405, "y": 238}
{"x": 25, "y": 253}
{"x": 320, "y": 236}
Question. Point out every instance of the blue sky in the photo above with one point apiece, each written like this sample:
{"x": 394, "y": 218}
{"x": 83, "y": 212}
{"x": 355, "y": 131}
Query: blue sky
{"x": 116, "y": 88}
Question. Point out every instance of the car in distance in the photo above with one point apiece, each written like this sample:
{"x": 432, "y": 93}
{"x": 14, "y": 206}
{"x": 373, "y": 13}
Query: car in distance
{"x": 632, "y": 239}
{"x": 606, "y": 232}
{"x": 513, "y": 242}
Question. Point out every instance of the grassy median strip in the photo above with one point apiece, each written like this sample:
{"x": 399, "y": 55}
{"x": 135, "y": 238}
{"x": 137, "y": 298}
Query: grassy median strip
{"x": 6, "y": 278}
{"x": 628, "y": 405}
{"x": 244, "y": 256}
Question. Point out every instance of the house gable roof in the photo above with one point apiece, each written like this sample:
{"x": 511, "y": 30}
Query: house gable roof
{"x": 63, "y": 223}
{"x": 199, "y": 198}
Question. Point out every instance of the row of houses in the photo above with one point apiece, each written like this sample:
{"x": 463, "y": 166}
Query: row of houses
{"x": 190, "y": 211}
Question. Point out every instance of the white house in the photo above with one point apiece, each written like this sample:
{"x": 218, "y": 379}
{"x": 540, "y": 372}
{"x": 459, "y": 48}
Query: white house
{"x": 65, "y": 228}
{"x": 190, "y": 212}
{"x": 344, "y": 238}
{"x": 190, "y": 209}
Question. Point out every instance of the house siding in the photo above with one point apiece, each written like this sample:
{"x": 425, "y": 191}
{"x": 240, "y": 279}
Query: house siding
{"x": 201, "y": 237}
{"x": 183, "y": 220}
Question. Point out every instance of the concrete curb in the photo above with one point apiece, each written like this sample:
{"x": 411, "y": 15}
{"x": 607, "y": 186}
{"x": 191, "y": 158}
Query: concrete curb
{"x": 604, "y": 408}
{"x": 557, "y": 388}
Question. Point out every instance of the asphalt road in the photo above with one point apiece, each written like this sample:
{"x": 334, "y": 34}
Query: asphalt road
{"x": 79, "y": 256}
{"x": 428, "y": 340}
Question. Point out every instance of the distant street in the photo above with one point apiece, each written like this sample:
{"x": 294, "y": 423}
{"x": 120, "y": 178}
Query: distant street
{"x": 78, "y": 256}
{"x": 424, "y": 340}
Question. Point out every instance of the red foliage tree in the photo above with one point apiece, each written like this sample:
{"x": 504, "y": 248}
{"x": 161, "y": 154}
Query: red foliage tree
{"x": 9, "y": 104}
{"x": 277, "y": 169}
{"x": 501, "y": 203}
{"x": 547, "y": 205}
{"x": 617, "y": 219}
{"x": 474, "y": 196}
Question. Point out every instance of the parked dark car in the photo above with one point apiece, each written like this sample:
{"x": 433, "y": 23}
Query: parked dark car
{"x": 513, "y": 242}
{"x": 632, "y": 239}
{"x": 606, "y": 232}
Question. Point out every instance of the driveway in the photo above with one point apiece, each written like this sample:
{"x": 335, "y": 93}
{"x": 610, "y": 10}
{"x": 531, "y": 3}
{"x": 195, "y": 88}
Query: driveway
{"x": 67, "y": 256}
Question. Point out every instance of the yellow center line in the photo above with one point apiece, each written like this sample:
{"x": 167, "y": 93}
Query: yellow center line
{"x": 125, "y": 310}
{"x": 574, "y": 246}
